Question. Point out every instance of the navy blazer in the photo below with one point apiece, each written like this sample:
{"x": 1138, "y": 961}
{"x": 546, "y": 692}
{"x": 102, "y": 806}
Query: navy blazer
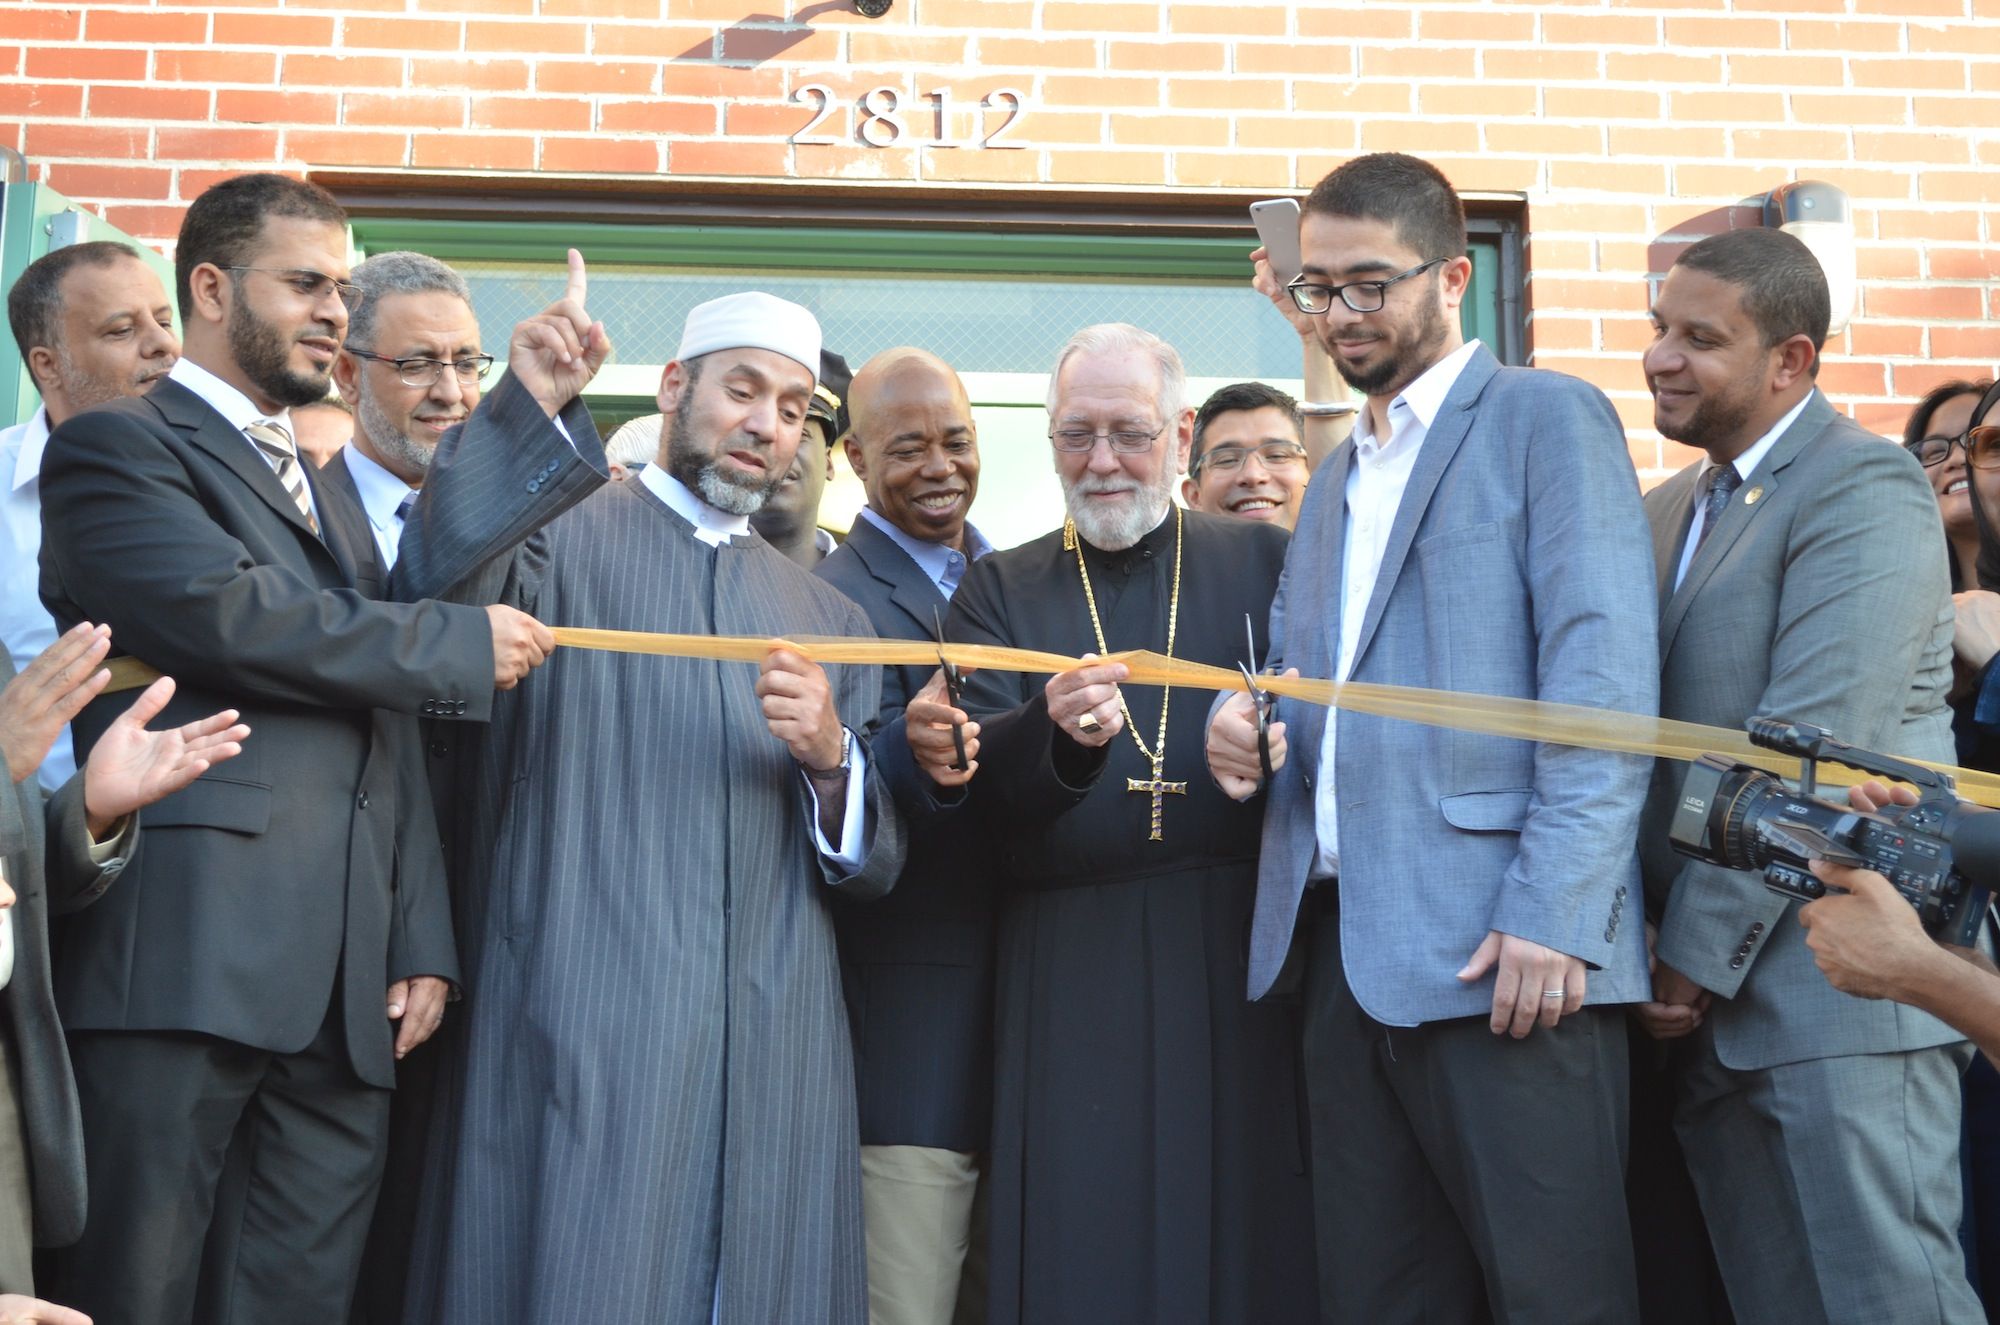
{"x": 917, "y": 965}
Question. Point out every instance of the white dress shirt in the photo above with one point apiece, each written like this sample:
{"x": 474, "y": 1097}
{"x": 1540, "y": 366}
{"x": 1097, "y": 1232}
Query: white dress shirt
{"x": 24, "y": 623}
{"x": 716, "y": 527}
{"x": 236, "y": 407}
{"x": 1746, "y": 465}
{"x": 382, "y": 497}
{"x": 1375, "y": 484}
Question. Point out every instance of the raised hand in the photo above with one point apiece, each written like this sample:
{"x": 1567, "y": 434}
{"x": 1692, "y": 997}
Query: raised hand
{"x": 130, "y": 767}
{"x": 555, "y": 353}
{"x": 49, "y": 691}
{"x": 1265, "y": 282}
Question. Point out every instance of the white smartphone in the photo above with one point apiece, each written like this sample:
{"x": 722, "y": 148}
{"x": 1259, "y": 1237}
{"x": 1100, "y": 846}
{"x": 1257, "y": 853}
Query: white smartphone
{"x": 1277, "y": 222}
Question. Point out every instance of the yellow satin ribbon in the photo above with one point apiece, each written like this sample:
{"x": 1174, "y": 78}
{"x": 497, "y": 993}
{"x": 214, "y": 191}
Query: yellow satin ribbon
{"x": 1493, "y": 715}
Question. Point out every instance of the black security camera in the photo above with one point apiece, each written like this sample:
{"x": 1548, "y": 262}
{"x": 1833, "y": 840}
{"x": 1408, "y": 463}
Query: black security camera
{"x": 873, "y": 8}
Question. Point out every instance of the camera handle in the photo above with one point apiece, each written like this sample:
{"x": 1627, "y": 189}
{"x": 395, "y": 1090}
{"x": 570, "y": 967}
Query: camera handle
{"x": 1809, "y": 744}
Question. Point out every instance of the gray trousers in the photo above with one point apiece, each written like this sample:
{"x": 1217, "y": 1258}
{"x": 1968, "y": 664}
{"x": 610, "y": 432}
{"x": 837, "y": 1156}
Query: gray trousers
{"x": 1459, "y": 1176}
{"x": 1831, "y": 1187}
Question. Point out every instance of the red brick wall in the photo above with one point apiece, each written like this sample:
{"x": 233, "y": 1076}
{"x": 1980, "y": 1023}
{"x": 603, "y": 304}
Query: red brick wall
{"x": 1621, "y": 125}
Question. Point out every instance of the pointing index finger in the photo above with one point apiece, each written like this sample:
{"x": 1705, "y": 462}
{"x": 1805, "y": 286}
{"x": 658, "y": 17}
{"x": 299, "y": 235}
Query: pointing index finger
{"x": 575, "y": 290}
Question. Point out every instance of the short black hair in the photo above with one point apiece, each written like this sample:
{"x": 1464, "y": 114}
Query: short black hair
{"x": 1409, "y": 195}
{"x": 1783, "y": 285}
{"x": 1240, "y": 396}
{"x": 223, "y": 225}
{"x": 1917, "y": 426}
{"x": 34, "y": 305}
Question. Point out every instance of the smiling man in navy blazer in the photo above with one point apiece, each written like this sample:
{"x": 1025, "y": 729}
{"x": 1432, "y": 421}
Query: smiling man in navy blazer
{"x": 1464, "y": 906}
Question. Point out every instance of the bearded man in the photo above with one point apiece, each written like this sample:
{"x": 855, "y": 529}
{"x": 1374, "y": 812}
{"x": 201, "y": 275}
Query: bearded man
{"x": 650, "y": 1114}
{"x": 1145, "y": 1156}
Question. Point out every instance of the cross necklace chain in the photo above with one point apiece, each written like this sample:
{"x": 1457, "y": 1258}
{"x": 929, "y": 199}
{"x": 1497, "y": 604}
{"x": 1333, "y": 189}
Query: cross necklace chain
{"x": 1156, "y": 786}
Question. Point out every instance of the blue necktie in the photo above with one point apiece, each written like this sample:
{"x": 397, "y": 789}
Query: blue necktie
{"x": 1723, "y": 480}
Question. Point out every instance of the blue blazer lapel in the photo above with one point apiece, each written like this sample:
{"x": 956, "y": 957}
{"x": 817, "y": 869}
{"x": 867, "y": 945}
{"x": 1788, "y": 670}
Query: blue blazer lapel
{"x": 909, "y": 588}
{"x": 184, "y": 410}
{"x": 1447, "y": 432}
{"x": 1742, "y": 511}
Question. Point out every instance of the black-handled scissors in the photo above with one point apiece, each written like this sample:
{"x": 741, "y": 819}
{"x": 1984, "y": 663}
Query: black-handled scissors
{"x": 1265, "y": 701}
{"x": 954, "y": 686}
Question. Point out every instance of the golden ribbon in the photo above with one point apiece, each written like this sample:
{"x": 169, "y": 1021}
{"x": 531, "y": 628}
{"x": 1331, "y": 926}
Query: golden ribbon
{"x": 1492, "y": 715}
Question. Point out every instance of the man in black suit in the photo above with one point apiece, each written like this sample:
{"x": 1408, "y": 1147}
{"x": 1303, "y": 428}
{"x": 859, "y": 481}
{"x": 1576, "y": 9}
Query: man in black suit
{"x": 226, "y": 1003}
{"x": 917, "y": 966}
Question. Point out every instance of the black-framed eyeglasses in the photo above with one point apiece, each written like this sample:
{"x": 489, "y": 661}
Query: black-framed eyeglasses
{"x": 312, "y": 284}
{"x": 1229, "y": 459}
{"x": 418, "y": 371}
{"x": 1361, "y": 296}
{"x": 1130, "y": 441}
{"x": 1981, "y": 446}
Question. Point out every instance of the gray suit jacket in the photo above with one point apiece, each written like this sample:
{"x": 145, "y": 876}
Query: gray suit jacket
{"x": 48, "y": 860}
{"x": 1516, "y": 565}
{"x": 1820, "y": 596}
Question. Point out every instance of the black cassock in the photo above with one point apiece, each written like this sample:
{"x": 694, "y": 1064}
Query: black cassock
{"x": 1147, "y": 1159}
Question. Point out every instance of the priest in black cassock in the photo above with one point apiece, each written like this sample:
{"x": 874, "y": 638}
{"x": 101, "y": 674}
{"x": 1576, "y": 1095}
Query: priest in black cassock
{"x": 1146, "y": 1161}
{"x": 650, "y": 1115}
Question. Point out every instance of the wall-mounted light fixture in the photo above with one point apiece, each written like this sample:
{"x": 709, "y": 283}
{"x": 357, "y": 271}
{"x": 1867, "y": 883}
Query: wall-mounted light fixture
{"x": 873, "y": 8}
{"x": 1819, "y": 216}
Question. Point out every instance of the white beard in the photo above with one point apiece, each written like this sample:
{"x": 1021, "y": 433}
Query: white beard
{"x": 1121, "y": 524}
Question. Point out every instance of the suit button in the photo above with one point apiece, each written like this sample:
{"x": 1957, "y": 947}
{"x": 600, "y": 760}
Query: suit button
{"x": 362, "y": 800}
{"x": 1735, "y": 963}
{"x": 1609, "y": 931}
{"x": 460, "y": 710}
{"x": 1621, "y": 890}
{"x": 439, "y": 749}
{"x": 1756, "y": 929}
{"x": 428, "y": 708}
{"x": 534, "y": 485}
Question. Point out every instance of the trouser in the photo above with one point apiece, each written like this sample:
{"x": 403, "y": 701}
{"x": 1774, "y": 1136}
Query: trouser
{"x": 1831, "y": 1187}
{"x": 1461, "y": 1176}
{"x": 918, "y": 1205}
{"x": 292, "y": 1143}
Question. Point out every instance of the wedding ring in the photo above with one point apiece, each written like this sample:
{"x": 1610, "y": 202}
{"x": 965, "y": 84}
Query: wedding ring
{"x": 1552, "y": 993}
{"x": 1087, "y": 723}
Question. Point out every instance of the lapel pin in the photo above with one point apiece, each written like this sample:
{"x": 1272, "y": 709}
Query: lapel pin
{"x": 1750, "y": 497}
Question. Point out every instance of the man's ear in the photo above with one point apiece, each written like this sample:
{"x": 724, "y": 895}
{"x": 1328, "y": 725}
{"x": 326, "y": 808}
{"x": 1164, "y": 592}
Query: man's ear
{"x": 1455, "y": 279}
{"x": 347, "y": 377}
{"x": 1183, "y": 440}
{"x": 673, "y": 383}
{"x": 1795, "y": 359}
{"x": 1191, "y": 494}
{"x": 42, "y": 367}
{"x": 209, "y": 293}
{"x": 855, "y": 461}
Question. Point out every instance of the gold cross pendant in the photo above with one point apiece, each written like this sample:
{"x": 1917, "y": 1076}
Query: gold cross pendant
{"x": 1159, "y": 789}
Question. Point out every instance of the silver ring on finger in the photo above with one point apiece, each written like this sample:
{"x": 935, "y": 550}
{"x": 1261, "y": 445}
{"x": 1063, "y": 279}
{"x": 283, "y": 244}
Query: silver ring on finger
{"x": 1553, "y": 993}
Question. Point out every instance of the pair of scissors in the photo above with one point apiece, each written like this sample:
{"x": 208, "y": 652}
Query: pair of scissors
{"x": 1266, "y": 702}
{"x": 953, "y": 687}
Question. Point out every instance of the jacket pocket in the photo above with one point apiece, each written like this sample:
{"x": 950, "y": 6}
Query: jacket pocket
{"x": 238, "y": 807}
{"x": 1486, "y": 811}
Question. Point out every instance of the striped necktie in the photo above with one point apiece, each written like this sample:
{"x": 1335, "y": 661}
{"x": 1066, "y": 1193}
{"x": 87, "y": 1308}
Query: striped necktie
{"x": 1723, "y": 480}
{"x": 275, "y": 444}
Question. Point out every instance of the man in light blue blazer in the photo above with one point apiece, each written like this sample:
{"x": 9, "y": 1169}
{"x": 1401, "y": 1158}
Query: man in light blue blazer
{"x": 1463, "y": 908}
{"x": 1801, "y": 575}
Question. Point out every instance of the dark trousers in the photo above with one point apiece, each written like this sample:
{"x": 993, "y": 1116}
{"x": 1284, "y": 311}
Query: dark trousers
{"x": 227, "y": 1184}
{"x": 1459, "y": 1176}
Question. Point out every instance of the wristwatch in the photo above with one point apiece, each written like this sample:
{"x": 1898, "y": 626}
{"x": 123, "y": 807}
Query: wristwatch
{"x": 840, "y": 770}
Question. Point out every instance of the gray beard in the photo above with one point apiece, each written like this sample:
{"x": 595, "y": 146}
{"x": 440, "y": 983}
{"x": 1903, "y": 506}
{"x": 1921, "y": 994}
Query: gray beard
{"x": 390, "y": 442}
{"x": 1113, "y": 531}
{"x": 698, "y": 471}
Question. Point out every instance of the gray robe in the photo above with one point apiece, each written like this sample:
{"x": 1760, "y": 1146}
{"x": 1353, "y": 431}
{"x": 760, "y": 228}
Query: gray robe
{"x": 653, "y": 1088}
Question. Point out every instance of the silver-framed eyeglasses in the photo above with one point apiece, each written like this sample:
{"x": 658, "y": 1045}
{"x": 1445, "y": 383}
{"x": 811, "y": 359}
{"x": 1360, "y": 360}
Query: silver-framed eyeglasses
{"x": 312, "y": 284}
{"x": 418, "y": 371}
{"x": 1229, "y": 459}
{"x": 1129, "y": 441}
{"x": 1361, "y": 296}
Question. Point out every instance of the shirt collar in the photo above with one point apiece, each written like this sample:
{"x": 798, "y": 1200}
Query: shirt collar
{"x": 34, "y": 439}
{"x": 1746, "y": 464}
{"x": 1421, "y": 399}
{"x": 943, "y": 565}
{"x": 225, "y": 399}
{"x": 711, "y": 526}
{"x": 381, "y": 491}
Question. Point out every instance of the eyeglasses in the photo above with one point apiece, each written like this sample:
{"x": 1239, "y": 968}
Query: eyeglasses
{"x": 1229, "y": 459}
{"x": 1126, "y": 440}
{"x": 1361, "y": 296}
{"x": 312, "y": 284}
{"x": 1981, "y": 446}
{"x": 425, "y": 372}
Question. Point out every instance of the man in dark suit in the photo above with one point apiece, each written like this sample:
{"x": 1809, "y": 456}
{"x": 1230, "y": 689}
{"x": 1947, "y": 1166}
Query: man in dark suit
{"x": 917, "y": 966}
{"x": 226, "y": 1003}
{"x": 1801, "y": 575}
{"x": 60, "y": 853}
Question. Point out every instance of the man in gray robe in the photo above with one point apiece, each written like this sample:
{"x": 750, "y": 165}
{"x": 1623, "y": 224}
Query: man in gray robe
{"x": 650, "y": 1115}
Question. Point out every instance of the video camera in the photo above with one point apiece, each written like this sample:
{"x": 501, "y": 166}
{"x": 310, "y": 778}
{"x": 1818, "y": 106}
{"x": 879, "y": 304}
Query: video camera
{"x": 1941, "y": 854}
